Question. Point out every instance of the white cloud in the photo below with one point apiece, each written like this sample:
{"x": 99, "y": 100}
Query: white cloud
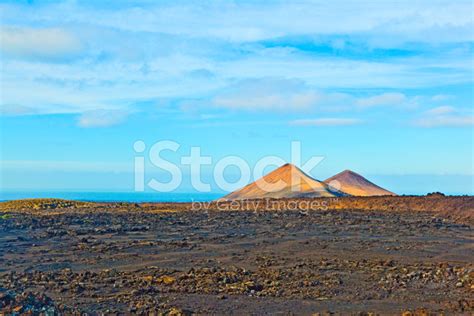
{"x": 390, "y": 98}
{"x": 445, "y": 116}
{"x": 101, "y": 118}
{"x": 43, "y": 43}
{"x": 16, "y": 109}
{"x": 193, "y": 51}
{"x": 384, "y": 22}
{"x": 446, "y": 121}
{"x": 441, "y": 97}
{"x": 331, "y": 72}
{"x": 64, "y": 166}
{"x": 440, "y": 110}
{"x": 327, "y": 122}
{"x": 267, "y": 94}
{"x": 293, "y": 95}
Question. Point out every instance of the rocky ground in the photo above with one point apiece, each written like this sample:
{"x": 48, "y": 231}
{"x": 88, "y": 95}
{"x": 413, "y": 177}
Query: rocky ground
{"x": 75, "y": 258}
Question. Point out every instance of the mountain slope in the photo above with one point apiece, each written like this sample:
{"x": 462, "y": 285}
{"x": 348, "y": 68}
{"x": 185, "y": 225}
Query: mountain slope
{"x": 354, "y": 184}
{"x": 288, "y": 181}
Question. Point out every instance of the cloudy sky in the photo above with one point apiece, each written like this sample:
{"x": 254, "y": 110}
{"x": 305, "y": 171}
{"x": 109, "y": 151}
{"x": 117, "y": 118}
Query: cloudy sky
{"x": 384, "y": 88}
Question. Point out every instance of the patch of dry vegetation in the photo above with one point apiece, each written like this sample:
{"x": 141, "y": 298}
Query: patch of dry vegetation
{"x": 457, "y": 208}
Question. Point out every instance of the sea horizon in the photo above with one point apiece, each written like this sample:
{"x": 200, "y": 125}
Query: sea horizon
{"x": 136, "y": 197}
{"x": 113, "y": 196}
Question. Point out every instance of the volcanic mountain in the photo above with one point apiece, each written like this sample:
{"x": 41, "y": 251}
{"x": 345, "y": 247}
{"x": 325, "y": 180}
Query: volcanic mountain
{"x": 354, "y": 184}
{"x": 288, "y": 181}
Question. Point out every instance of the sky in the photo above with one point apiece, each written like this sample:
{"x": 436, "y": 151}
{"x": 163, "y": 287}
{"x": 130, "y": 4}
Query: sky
{"x": 384, "y": 88}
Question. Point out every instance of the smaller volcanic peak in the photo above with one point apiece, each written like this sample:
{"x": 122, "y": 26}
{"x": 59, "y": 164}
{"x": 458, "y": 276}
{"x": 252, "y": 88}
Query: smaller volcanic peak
{"x": 353, "y": 183}
{"x": 287, "y": 181}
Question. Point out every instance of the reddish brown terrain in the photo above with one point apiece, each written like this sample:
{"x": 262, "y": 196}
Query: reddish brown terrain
{"x": 346, "y": 255}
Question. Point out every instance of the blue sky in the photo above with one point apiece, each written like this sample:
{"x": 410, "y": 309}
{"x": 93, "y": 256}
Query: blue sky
{"x": 382, "y": 88}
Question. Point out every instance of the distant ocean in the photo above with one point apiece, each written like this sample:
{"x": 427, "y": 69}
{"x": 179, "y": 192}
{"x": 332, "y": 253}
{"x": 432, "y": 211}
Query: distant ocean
{"x": 114, "y": 196}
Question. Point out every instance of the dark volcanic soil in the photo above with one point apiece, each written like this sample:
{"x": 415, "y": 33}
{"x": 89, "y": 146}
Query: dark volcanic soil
{"x": 132, "y": 259}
